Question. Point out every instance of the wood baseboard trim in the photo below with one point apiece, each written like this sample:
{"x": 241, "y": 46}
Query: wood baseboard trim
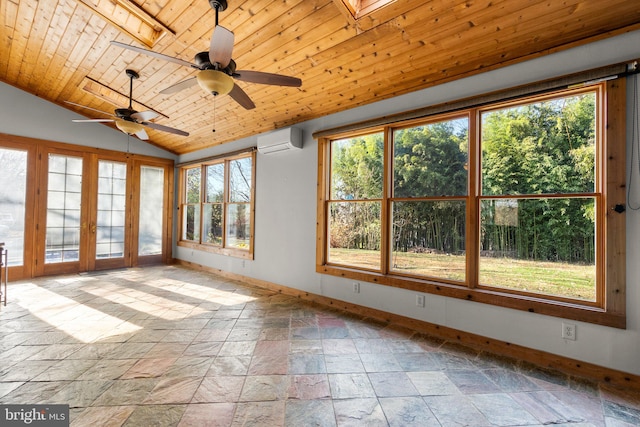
{"x": 535, "y": 357}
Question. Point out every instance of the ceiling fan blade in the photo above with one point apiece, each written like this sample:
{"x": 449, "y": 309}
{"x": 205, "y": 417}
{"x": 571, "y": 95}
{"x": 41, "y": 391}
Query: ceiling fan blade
{"x": 92, "y": 120}
{"x": 163, "y": 128}
{"x": 154, "y": 54}
{"x": 180, "y": 86}
{"x": 144, "y": 116}
{"x": 141, "y": 134}
{"x": 221, "y": 46}
{"x": 267, "y": 78}
{"x": 241, "y": 97}
{"x": 89, "y": 108}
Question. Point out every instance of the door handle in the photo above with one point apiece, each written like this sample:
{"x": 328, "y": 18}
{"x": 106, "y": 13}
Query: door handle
{"x": 93, "y": 228}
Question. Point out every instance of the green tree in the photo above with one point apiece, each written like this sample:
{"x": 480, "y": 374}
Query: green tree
{"x": 357, "y": 174}
{"x": 543, "y": 148}
{"x": 430, "y": 161}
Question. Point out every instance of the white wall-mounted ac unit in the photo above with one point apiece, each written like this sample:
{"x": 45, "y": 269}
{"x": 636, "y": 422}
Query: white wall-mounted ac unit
{"x": 280, "y": 140}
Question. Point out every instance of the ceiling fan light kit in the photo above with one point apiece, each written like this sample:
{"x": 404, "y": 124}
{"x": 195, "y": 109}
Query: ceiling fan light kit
{"x": 129, "y": 127}
{"x": 215, "y": 82}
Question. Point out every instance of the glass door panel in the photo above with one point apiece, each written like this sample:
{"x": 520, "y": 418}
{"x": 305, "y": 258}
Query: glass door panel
{"x": 13, "y": 170}
{"x": 110, "y": 220}
{"x": 150, "y": 224}
{"x": 64, "y": 196}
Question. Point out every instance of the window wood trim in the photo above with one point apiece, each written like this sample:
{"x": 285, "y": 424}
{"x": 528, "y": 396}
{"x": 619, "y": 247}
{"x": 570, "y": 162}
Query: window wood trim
{"x": 615, "y": 194}
{"x": 613, "y": 179}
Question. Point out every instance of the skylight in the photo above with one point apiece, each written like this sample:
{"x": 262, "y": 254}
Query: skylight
{"x": 130, "y": 19}
{"x": 360, "y": 8}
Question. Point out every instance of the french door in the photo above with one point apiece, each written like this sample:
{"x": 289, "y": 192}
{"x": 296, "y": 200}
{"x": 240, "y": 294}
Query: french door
{"x": 63, "y": 215}
{"x": 99, "y": 211}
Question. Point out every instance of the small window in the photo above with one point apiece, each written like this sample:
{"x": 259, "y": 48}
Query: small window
{"x": 217, "y": 206}
{"x": 191, "y": 205}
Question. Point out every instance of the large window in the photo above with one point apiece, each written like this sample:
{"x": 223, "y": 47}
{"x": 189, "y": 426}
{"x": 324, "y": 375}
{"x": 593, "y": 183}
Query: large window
{"x": 502, "y": 204}
{"x": 217, "y": 205}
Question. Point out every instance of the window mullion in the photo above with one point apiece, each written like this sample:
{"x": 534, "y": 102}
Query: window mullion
{"x": 225, "y": 203}
{"x": 203, "y": 186}
{"x": 473, "y": 200}
{"x": 387, "y": 193}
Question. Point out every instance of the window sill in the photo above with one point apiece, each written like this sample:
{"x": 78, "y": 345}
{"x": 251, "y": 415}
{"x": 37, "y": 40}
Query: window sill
{"x": 574, "y": 311}
{"x": 236, "y": 253}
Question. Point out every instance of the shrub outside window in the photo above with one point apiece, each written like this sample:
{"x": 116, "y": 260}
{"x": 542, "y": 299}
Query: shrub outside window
{"x": 539, "y": 202}
{"x": 502, "y": 204}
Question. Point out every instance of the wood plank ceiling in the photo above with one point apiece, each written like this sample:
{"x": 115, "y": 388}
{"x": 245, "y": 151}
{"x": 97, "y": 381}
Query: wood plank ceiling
{"x": 56, "y": 49}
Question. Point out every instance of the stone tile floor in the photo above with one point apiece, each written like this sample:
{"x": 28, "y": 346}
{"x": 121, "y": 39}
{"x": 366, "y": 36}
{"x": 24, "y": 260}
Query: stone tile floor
{"x": 169, "y": 346}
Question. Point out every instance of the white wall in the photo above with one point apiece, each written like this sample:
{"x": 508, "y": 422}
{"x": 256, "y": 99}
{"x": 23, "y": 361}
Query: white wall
{"x": 286, "y": 210}
{"x": 23, "y": 114}
{"x": 286, "y": 221}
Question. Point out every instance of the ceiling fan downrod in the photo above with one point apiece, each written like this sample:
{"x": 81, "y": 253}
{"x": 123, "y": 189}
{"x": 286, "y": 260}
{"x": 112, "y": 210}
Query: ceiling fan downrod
{"x": 132, "y": 75}
{"x": 218, "y": 6}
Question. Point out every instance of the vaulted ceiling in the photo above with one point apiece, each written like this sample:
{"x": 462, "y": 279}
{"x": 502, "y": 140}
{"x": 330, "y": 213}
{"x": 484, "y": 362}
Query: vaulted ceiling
{"x": 61, "y": 50}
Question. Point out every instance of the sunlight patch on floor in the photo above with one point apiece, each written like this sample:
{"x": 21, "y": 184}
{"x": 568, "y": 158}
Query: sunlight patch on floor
{"x": 144, "y": 302}
{"x": 72, "y": 317}
{"x": 204, "y": 293}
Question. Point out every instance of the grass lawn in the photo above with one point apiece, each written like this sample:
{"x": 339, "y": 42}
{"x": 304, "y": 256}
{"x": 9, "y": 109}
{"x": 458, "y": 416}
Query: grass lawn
{"x": 551, "y": 278}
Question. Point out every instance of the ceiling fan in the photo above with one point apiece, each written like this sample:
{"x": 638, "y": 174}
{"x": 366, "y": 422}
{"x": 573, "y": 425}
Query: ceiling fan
{"x": 129, "y": 120}
{"x": 217, "y": 68}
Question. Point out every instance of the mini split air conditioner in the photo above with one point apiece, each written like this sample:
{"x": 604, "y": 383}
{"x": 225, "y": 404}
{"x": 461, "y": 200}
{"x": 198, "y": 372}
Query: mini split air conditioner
{"x": 280, "y": 140}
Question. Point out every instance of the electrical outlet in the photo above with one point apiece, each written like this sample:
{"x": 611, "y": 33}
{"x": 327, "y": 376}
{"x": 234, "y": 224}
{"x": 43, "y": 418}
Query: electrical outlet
{"x": 569, "y": 331}
{"x": 356, "y": 287}
{"x": 420, "y": 300}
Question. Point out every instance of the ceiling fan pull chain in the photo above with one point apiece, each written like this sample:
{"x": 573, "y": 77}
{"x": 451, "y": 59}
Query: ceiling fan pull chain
{"x": 131, "y": 92}
{"x": 214, "y": 113}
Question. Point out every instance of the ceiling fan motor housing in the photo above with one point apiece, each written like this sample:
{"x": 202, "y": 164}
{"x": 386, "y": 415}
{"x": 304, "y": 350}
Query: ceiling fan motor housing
{"x": 125, "y": 113}
{"x": 202, "y": 61}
